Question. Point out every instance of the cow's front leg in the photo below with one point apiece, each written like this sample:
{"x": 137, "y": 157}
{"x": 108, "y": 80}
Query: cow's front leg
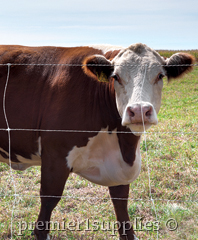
{"x": 119, "y": 197}
{"x": 54, "y": 173}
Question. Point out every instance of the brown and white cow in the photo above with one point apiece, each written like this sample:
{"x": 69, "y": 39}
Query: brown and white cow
{"x": 94, "y": 95}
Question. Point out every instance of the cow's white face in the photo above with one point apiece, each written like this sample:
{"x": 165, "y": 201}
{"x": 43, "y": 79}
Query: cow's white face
{"x": 138, "y": 73}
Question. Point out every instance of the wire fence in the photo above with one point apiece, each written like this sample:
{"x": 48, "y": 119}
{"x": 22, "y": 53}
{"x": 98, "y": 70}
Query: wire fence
{"x": 17, "y": 195}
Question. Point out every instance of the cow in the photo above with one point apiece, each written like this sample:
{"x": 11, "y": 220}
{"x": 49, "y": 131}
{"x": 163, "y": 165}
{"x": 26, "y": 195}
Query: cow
{"x": 81, "y": 110}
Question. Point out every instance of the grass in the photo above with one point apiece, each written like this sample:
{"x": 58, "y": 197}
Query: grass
{"x": 86, "y": 212}
{"x": 168, "y": 53}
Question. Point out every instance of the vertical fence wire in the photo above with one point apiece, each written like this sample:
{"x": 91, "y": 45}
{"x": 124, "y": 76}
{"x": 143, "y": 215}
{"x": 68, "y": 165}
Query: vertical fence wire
{"x": 145, "y": 143}
{"x": 9, "y": 146}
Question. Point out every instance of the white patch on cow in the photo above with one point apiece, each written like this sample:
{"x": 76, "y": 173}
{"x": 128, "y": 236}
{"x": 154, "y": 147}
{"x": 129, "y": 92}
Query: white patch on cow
{"x": 24, "y": 163}
{"x": 106, "y": 48}
{"x": 138, "y": 67}
{"x": 101, "y": 161}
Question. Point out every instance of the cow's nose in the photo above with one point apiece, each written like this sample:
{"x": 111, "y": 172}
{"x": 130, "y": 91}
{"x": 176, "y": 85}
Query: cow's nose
{"x": 139, "y": 113}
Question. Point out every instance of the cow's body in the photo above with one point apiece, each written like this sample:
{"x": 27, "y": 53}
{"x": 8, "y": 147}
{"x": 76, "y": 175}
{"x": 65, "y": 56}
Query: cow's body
{"x": 92, "y": 139}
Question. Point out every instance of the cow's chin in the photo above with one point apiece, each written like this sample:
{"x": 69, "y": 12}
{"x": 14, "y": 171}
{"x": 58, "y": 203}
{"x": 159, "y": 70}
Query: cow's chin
{"x": 138, "y": 128}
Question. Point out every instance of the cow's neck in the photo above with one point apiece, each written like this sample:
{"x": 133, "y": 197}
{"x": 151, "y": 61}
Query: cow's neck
{"x": 110, "y": 118}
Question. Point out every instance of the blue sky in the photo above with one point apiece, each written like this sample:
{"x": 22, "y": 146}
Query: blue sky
{"x": 161, "y": 24}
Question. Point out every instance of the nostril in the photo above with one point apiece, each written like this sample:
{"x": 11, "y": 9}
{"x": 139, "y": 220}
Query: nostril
{"x": 131, "y": 112}
{"x": 148, "y": 112}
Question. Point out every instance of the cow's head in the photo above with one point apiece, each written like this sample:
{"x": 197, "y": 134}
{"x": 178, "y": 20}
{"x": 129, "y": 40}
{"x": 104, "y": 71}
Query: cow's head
{"x": 138, "y": 73}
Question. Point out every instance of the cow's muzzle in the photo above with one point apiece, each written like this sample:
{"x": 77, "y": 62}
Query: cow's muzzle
{"x": 139, "y": 116}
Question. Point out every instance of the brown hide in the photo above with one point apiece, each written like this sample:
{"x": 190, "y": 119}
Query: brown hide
{"x": 55, "y": 97}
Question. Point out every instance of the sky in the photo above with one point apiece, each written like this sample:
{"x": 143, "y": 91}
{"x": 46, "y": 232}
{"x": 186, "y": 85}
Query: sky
{"x": 161, "y": 24}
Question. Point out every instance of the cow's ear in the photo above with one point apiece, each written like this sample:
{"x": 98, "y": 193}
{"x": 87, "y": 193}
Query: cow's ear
{"x": 178, "y": 64}
{"x": 98, "y": 67}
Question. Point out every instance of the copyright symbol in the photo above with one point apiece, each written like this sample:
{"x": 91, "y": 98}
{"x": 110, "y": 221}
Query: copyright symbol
{"x": 171, "y": 224}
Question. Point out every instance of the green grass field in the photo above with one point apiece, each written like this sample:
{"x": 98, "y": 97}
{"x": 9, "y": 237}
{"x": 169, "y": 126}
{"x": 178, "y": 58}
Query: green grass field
{"x": 86, "y": 212}
{"x": 168, "y": 53}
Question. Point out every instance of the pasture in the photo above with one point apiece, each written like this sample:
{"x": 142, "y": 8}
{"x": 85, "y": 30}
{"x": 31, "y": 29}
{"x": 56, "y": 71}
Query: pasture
{"x": 169, "y": 157}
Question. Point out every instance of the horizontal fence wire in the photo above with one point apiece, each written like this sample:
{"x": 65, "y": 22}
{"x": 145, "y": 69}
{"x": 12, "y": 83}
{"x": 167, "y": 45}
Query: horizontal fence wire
{"x": 89, "y": 131}
{"x": 99, "y": 65}
{"x": 98, "y": 198}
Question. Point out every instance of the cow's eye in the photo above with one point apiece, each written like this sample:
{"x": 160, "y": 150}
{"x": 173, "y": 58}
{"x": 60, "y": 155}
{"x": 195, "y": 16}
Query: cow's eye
{"x": 116, "y": 78}
{"x": 159, "y": 77}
